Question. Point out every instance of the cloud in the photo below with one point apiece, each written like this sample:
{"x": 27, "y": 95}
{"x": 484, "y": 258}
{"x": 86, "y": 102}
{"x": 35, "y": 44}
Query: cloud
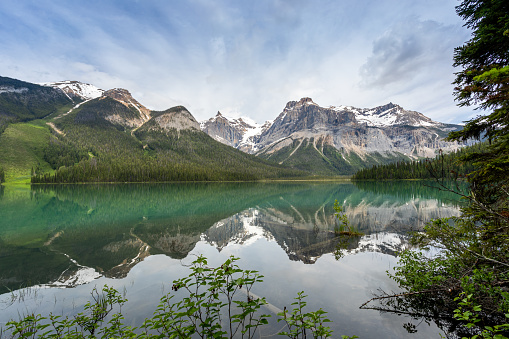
{"x": 239, "y": 57}
{"x": 407, "y": 51}
{"x": 411, "y": 64}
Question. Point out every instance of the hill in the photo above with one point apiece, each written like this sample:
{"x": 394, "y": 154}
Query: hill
{"x": 113, "y": 138}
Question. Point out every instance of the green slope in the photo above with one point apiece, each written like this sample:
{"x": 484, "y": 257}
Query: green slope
{"x": 22, "y": 148}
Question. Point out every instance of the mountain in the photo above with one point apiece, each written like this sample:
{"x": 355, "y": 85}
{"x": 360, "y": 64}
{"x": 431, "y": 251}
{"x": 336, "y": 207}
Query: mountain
{"x": 340, "y": 139}
{"x": 125, "y": 98}
{"x": 85, "y": 134}
{"x": 24, "y": 101}
{"x": 234, "y": 132}
{"x": 76, "y": 88}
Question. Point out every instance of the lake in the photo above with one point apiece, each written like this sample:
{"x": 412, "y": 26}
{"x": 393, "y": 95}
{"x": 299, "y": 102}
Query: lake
{"x": 59, "y": 242}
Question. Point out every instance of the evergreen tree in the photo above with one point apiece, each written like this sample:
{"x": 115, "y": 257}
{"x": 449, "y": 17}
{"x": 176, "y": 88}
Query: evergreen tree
{"x": 443, "y": 166}
{"x": 469, "y": 276}
{"x": 484, "y": 81}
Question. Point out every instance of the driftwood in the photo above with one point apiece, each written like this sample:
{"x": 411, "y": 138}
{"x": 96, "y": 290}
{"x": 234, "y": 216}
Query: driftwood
{"x": 402, "y": 295}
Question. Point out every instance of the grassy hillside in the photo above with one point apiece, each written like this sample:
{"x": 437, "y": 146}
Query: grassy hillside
{"x": 22, "y": 148}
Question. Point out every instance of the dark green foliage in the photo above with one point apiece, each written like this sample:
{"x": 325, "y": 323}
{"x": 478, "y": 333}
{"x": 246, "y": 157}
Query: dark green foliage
{"x": 484, "y": 81}
{"x": 30, "y": 101}
{"x": 217, "y": 303}
{"x": 2, "y": 175}
{"x": 150, "y": 153}
{"x": 469, "y": 277}
{"x": 93, "y": 114}
{"x": 59, "y": 153}
{"x": 444, "y": 166}
{"x": 486, "y": 52}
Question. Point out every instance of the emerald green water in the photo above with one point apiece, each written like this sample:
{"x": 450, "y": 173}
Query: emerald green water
{"x": 135, "y": 237}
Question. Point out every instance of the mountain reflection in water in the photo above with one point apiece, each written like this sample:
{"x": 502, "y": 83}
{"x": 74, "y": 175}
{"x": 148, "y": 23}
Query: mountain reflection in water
{"x": 69, "y": 235}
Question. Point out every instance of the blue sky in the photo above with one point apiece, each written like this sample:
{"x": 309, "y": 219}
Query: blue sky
{"x": 243, "y": 58}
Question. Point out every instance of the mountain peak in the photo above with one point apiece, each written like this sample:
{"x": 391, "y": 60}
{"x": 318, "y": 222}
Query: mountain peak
{"x": 118, "y": 93}
{"x": 178, "y": 118}
{"x": 296, "y": 104}
{"x": 388, "y": 106}
{"x": 124, "y": 96}
{"x": 306, "y": 100}
{"x": 81, "y": 89}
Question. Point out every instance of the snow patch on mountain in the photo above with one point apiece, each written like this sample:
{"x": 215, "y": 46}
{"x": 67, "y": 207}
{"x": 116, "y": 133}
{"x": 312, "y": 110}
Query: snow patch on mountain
{"x": 83, "y": 90}
{"x": 387, "y": 115}
{"x": 246, "y": 131}
{"x": 9, "y": 89}
{"x": 247, "y": 230}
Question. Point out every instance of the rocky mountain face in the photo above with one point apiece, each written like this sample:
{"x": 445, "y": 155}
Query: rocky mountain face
{"x": 123, "y": 110}
{"x": 124, "y": 97}
{"x": 341, "y": 138}
{"x": 178, "y": 118}
{"x": 234, "y": 132}
{"x": 140, "y": 114}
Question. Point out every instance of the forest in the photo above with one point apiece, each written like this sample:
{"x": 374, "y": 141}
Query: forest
{"x": 452, "y": 166}
{"x": 97, "y": 150}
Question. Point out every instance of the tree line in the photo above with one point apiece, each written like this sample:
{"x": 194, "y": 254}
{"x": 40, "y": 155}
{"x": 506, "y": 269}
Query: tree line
{"x": 453, "y": 165}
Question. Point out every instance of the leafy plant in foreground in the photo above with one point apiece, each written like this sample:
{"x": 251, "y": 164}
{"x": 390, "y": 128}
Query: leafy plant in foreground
{"x": 299, "y": 322}
{"x": 212, "y": 301}
{"x": 468, "y": 312}
{"x": 217, "y": 303}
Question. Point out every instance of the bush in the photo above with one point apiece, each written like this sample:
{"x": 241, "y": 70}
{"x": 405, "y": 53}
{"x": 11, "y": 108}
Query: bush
{"x": 218, "y": 303}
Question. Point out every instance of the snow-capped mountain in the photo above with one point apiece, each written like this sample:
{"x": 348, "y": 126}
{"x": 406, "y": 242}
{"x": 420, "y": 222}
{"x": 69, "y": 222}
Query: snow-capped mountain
{"x": 83, "y": 90}
{"x": 337, "y": 139}
{"x": 388, "y": 115}
{"x": 241, "y": 133}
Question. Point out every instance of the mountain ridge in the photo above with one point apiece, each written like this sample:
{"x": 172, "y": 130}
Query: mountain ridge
{"x": 91, "y": 135}
{"x": 334, "y": 140}
{"x": 353, "y": 138}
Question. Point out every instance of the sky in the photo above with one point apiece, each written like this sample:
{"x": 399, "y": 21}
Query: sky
{"x": 243, "y": 57}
